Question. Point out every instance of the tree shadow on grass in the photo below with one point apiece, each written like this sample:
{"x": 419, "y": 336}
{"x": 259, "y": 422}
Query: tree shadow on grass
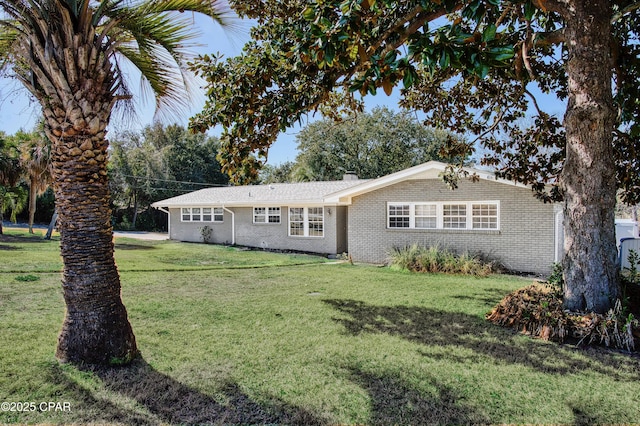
{"x": 164, "y": 400}
{"x": 128, "y": 246}
{"x": 432, "y": 327}
{"x": 395, "y": 402}
{"x": 489, "y": 297}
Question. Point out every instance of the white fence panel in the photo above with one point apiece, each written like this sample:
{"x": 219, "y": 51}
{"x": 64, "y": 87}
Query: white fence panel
{"x": 626, "y": 245}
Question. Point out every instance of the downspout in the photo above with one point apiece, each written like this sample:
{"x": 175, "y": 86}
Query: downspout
{"x": 558, "y": 220}
{"x": 233, "y": 225}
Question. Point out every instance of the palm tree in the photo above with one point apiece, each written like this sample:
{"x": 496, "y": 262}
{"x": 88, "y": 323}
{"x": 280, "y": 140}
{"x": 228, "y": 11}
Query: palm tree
{"x": 9, "y": 176}
{"x": 70, "y": 55}
{"x": 35, "y": 158}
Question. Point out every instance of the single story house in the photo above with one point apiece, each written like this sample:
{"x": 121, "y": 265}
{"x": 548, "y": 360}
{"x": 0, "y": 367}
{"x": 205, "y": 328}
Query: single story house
{"x": 366, "y": 218}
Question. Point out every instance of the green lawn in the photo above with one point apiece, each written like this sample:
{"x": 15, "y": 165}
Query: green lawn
{"x": 245, "y": 337}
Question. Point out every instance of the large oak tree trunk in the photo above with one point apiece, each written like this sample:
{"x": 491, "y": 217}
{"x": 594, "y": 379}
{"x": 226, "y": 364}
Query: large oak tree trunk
{"x": 588, "y": 178}
{"x": 96, "y": 329}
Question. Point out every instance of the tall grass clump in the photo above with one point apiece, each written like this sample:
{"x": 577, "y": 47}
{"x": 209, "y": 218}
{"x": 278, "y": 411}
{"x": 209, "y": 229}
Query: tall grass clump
{"x": 434, "y": 259}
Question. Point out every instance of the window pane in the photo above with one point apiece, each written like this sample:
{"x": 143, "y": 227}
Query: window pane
{"x": 274, "y": 214}
{"x": 259, "y": 215}
{"x": 398, "y": 222}
{"x": 186, "y": 214}
{"x": 315, "y": 217}
{"x": 296, "y": 228}
{"x": 454, "y": 216}
{"x": 425, "y": 210}
{"x": 426, "y": 216}
{"x": 296, "y": 221}
{"x": 218, "y": 214}
{"x": 485, "y": 216}
{"x": 399, "y": 216}
{"x": 426, "y": 222}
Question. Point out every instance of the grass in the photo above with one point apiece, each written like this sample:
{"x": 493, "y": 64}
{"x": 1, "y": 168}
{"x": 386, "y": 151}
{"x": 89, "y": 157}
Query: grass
{"x": 298, "y": 343}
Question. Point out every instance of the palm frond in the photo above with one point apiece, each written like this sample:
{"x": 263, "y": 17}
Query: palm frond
{"x": 156, "y": 37}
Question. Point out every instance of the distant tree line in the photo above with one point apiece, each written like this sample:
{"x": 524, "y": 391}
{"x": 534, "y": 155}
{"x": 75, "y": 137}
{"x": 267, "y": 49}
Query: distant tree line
{"x": 160, "y": 162}
{"x": 156, "y": 163}
{"x": 145, "y": 166}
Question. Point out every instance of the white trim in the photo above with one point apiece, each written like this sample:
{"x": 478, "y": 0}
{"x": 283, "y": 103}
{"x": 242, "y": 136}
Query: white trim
{"x": 440, "y": 214}
{"x": 429, "y": 170}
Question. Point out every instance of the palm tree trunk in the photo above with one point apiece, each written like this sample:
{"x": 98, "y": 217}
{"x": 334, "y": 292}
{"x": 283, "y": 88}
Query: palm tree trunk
{"x": 96, "y": 329}
{"x": 32, "y": 203}
{"x": 135, "y": 210}
{"x": 52, "y": 224}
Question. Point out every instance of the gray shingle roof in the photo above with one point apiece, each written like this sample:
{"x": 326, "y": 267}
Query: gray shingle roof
{"x": 252, "y": 195}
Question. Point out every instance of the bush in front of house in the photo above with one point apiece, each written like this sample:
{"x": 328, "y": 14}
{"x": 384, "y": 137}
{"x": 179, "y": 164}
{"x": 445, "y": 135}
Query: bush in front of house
{"x": 434, "y": 259}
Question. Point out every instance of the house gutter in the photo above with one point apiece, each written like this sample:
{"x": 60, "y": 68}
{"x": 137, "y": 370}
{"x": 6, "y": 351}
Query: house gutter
{"x": 233, "y": 225}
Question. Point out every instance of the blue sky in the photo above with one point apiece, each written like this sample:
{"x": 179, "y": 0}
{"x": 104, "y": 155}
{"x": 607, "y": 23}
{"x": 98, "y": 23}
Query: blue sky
{"x": 18, "y": 111}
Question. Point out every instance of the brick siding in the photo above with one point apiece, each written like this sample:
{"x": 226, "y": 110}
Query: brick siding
{"x": 524, "y": 242}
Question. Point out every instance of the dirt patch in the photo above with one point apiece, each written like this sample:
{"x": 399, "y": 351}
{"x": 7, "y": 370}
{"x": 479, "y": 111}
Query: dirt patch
{"x": 8, "y": 248}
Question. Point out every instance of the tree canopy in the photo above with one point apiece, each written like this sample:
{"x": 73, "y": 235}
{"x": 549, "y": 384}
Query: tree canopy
{"x": 160, "y": 162}
{"x": 474, "y": 66}
{"x": 368, "y": 144}
{"x": 471, "y": 65}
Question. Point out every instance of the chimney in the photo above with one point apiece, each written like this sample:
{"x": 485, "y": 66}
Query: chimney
{"x": 349, "y": 176}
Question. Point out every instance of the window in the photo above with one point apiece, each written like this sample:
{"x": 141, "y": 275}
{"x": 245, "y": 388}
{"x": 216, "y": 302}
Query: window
{"x": 454, "y": 216}
{"x": 426, "y": 216}
{"x": 483, "y": 215}
{"x": 306, "y": 221}
{"x": 399, "y": 216}
{"x": 316, "y": 221}
{"x": 266, "y": 215}
{"x": 202, "y": 214}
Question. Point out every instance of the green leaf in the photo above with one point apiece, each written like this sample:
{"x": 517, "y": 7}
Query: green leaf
{"x": 445, "y": 59}
{"x": 489, "y": 33}
{"x": 409, "y": 77}
{"x": 329, "y": 54}
{"x": 529, "y": 10}
{"x": 309, "y": 14}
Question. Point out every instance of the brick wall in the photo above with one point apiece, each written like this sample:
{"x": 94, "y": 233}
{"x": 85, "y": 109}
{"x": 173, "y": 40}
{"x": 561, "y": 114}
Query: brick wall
{"x": 524, "y": 242}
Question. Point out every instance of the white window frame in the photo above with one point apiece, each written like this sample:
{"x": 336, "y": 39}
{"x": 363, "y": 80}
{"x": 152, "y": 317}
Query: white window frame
{"x": 202, "y": 214}
{"x": 492, "y": 221}
{"x": 309, "y": 221}
{"x": 492, "y": 218}
{"x": 267, "y": 215}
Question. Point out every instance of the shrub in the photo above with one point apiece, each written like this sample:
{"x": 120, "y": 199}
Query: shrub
{"x": 206, "y": 232}
{"x": 434, "y": 259}
{"x": 556, "y": 279}
{"x": 27, "y": 278}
